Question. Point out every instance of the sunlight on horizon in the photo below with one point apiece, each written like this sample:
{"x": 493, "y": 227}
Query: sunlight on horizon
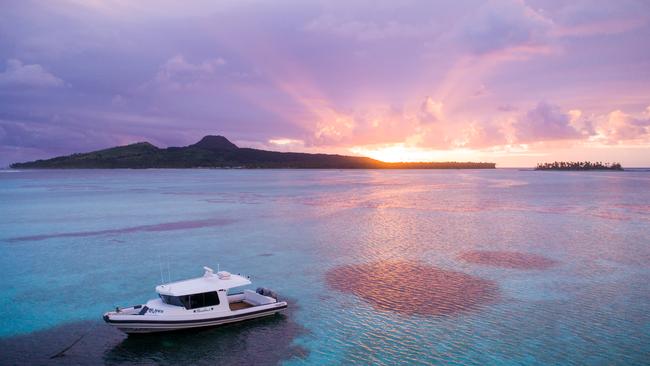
{"x": 400, "y": 152}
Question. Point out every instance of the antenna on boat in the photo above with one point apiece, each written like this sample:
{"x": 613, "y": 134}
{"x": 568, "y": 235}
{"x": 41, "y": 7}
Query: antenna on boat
{"x": 162, "y": 279}
{"x": 169, "y": 271}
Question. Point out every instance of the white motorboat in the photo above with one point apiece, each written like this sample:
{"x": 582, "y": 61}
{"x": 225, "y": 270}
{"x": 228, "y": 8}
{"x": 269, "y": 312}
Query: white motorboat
{"x": 198, "y": 302}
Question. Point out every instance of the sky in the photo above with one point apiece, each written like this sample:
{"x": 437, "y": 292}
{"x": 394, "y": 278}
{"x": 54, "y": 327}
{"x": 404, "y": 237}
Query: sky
{"x": 512, "y": 82}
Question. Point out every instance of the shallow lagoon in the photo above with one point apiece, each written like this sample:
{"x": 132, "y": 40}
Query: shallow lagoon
{"x": 565, "y": 257}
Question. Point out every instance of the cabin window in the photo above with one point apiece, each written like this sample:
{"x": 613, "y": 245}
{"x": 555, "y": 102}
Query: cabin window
{"x": 193, "y": 301}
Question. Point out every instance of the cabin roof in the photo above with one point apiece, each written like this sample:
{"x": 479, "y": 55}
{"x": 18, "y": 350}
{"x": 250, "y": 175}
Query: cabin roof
{"x": 208, "y": 282}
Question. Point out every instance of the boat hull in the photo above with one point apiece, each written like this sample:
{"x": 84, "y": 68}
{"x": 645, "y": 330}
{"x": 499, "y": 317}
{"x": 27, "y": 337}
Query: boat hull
{"x": 136, "y": 325}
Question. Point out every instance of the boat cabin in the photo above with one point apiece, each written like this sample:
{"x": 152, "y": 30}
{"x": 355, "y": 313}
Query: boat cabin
{"x": 209, "y": 292}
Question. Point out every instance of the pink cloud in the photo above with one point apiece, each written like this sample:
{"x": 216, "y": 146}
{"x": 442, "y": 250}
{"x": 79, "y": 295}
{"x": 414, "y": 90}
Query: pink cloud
{"x": 431, "y": 110}
{"x": 619, "y": 126}
{"x": 485, "y": 135}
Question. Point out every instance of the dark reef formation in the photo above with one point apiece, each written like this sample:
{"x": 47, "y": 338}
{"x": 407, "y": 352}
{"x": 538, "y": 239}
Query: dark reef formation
{"x": 219, "y": 152}
{"x": 413, "y": 288}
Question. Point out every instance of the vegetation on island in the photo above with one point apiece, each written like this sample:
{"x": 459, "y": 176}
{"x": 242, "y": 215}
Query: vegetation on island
{"x": 218, "y": 152}
{"x": 578, "y": 165}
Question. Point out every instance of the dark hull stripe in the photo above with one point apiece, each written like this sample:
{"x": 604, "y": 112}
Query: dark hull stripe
{"x": 190, "y": 321}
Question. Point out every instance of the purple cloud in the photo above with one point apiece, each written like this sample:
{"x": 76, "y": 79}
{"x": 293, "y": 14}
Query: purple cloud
{"x": 544, "y": 122}
{"x": 504, "y": 25}
{"x": 584, "y": 18}
{"x": 369, "y": 30}
{"x": 19, "y": 74}
{"x": 179, "y": 74}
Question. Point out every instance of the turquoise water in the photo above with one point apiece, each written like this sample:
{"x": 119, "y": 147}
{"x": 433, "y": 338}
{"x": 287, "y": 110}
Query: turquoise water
{"x": 74, "y": 244}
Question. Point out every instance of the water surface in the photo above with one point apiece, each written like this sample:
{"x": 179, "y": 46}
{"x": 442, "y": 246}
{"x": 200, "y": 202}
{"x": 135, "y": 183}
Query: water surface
{"x": 444, "y": 267}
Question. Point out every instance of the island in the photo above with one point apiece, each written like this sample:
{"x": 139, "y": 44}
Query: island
{"x": 578, "y": 165}
{"x": 219, "y": 152}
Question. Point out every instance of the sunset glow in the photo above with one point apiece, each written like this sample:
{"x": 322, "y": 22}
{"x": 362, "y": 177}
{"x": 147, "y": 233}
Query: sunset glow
{"x": 403, "y": 153}
{"x": 512, "y": 82}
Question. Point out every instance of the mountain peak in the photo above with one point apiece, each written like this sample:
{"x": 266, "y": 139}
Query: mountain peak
{"x": 212, "y": 142}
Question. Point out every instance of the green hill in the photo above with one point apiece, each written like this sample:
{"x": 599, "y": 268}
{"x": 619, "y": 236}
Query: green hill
{"x": 219, "y": 152}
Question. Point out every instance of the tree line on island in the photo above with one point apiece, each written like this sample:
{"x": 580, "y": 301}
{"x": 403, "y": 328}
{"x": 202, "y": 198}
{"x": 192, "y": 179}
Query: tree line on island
{"x": 219, "y": 152}
{"x": 578, "y": 165}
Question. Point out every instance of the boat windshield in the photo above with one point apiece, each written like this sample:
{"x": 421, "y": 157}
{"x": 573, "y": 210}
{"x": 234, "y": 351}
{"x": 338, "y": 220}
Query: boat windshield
{"x": 171, "y": 300}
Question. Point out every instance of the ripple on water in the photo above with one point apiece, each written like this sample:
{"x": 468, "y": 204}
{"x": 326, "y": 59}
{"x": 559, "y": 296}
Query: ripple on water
{"x": 413, "y": 288}
{"x": 507, "y": 259}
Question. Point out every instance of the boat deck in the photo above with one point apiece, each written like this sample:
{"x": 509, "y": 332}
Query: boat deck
{"x": 240, "y": 305}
